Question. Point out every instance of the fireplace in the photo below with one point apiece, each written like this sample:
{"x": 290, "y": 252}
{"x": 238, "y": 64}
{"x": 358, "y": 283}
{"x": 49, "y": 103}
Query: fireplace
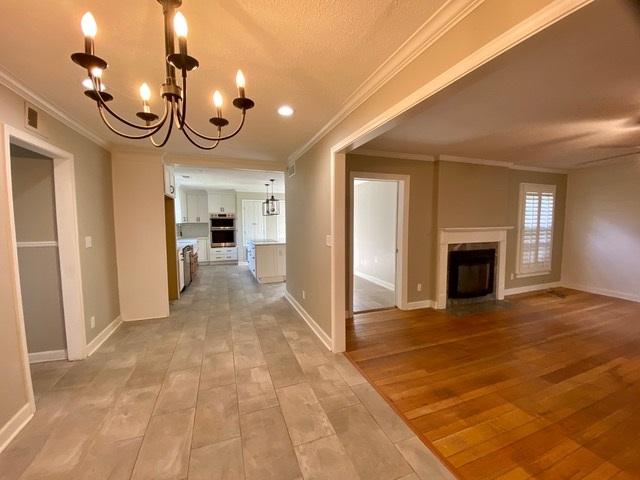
{"x": 471, "y": 273}
{"x": 470, "y": 238}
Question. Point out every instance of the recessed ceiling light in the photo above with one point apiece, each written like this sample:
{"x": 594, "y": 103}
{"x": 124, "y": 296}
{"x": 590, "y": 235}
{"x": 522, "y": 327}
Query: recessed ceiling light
{"x": 285, "y": 111}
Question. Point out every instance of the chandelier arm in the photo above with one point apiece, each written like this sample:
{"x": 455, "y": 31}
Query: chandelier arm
{"x": 104, "y": 105}
{"x": 169, "y": 129}
{"x": 157, "y": 127}
{"x": 195, "y": 143}
{"x": 218, "y": 138}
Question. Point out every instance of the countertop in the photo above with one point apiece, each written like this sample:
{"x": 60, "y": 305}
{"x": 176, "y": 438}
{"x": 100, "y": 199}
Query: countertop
{"x": 268, "y": 242}
{"x": 183, "y": 242}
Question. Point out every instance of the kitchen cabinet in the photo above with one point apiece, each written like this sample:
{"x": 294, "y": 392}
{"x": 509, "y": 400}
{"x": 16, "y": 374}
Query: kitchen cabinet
{"x": 222, "y": 202}
{"x": 169, "y": 181}
{"x": 192, "y": 207}
{"x": 203, "y": 250}
{"x": 267, "y": 261}
{"x": 223, "y": 255}
{"x": 170, "y": 188}
{"x": 181, "y": 206}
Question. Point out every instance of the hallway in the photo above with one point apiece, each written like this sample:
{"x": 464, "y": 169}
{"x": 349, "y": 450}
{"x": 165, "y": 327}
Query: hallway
{"x": 232, "y": 385}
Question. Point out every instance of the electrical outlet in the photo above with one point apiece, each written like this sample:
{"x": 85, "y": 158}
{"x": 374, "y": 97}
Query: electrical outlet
{"x": 513, "y": 276}
{"x": 88, "y": 242}
{"x": 93, "y": 322}
{"x": 304, "y": 295}
{"x": 419, "y": 287}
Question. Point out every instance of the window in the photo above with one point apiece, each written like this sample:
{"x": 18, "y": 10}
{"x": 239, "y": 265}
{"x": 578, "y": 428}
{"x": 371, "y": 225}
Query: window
{"x": 535, "y": 233}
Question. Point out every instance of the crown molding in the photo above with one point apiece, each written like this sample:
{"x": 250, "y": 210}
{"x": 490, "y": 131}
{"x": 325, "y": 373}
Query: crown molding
{"x": 538, "y": 169}
{"x": 399, "y": 155}
{"x": 224, "y": 162}
{"x": 474, "y": 161}
{"x": 498, "y": 163}
{"x": 30, "y": 96}
{"x": 445, "y": 18}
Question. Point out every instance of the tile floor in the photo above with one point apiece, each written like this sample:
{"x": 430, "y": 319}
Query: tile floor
{"x": 369, "y": 296}
{"x": 232, "y": 385}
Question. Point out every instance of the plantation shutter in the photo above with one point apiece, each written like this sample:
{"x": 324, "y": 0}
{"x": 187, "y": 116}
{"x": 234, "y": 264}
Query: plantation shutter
{"x": 536, "y": 228}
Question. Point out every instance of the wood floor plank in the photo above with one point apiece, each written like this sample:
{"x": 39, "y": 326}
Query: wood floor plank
{"x": 545, "y": 386}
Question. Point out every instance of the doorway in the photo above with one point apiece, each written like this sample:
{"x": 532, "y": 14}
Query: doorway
{"x": 378, "y": 236}
{"x": 38, "y": 260}
{"x": 57, "y": 244}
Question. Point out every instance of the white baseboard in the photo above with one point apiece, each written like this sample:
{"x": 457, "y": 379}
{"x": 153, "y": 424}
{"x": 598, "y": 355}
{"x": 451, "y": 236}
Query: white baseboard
{"x": 420, "y": 304}
{"x": 103, "y": 336}
{"x": 532, "y": 288}
{"x": 324, "y": 338}
{"x": 376, "y": 280}
{"x": 17, "y": 423}
{"x": 603, "y": 291}
{"x": 49, "y": 356}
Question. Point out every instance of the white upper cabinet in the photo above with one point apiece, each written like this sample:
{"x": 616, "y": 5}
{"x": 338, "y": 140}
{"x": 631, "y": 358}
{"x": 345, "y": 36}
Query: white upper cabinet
{"x": 169, "y": 181}
{"x": 222, "y": 202}
{"x": 181, "y": 206}
{"x": 191, "y": 207}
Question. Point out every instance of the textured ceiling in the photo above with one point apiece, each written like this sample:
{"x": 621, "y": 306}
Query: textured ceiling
{"x": 221, "y": 179}
{"x": 566, "y": 97}
{"x": 311, "y": 54}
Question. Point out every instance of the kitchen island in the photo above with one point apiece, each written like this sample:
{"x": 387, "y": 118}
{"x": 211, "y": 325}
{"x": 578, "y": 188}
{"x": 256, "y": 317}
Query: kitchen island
{"x": 267, "y": 260}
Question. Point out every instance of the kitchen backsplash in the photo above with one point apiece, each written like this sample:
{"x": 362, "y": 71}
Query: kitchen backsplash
{"x": 193, "y": 230}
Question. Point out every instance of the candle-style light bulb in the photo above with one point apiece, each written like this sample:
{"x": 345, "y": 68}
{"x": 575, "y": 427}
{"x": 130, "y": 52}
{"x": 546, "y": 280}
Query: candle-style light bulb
{"x": 87, "y": 83}
{"x": 89, "y": 30}
{"x": 240, "y": 83}
{"x": 217, "y": 101}
{"x": 145, "y": 95}
{"x": 181, "y": 29}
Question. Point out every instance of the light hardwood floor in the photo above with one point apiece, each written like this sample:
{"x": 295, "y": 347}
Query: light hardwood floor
{"x": 546, "y": 387}
{"x": 232, "y": 385}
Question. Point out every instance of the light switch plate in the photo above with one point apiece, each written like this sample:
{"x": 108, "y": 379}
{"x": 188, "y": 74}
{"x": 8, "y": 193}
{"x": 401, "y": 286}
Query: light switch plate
{"x": 88, "y": 242}
{"x": 93, "y": 322}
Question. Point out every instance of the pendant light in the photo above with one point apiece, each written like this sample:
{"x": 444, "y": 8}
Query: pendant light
{"x": 271, "y": 206}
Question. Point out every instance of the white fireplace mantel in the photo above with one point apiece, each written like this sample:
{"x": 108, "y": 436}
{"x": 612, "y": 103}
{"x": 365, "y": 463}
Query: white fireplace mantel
{"x": 455, "y": 235}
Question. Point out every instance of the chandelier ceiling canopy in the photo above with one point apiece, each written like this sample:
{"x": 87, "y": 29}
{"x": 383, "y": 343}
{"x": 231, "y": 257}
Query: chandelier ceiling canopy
{"x": 174, "y": 94}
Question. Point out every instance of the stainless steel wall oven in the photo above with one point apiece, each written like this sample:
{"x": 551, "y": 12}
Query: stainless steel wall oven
{"x": 223, "y": 230}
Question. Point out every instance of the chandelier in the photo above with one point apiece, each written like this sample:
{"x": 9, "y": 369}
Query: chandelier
{"x": 174, "y": 95}
{"x": 271, "y": 206}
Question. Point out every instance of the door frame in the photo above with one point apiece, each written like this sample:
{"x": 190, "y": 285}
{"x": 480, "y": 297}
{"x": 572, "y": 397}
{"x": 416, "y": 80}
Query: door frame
{"x": 402, "y": 235}
{"x": 68, "y": 244}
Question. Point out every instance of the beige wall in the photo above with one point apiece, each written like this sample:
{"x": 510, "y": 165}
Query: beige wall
{"x": 138, "y": 193}
{"x": 602, "y": 240}
{"x": 309, "y": 190}
{"x": 95, "y": 218}
{"x": 472, "y": 195}
{"x": 33, "y": 197}
{"x": 35, "y": 220}
{"x": 454, "y": 194}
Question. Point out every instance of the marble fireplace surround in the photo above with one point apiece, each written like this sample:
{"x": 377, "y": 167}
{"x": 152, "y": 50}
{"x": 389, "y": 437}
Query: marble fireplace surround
{"x": 449, "y": 236}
